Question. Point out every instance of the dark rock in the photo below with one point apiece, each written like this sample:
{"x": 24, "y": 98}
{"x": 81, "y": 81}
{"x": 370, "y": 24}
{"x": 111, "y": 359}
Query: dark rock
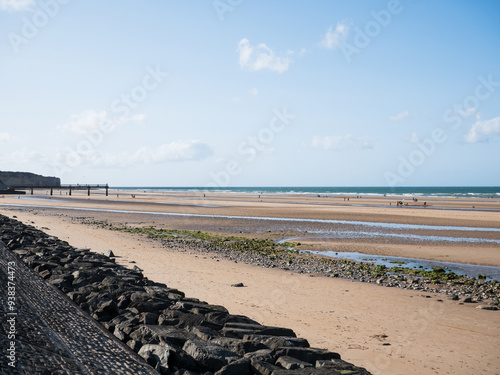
{"x": 148, "y": 318}
{"x": 212, "y": 357}
{"x": 123, "y": 301}
{"x": 263, "y": 355}
{"x": 155, "y": 355}
{"x": 197, "y": 308}
{"x": 204, "y": 333}
{"x": 310, "y": 355}
{"x": 120, "y": 334}
{"x": 250, "y": 326}
{"x": 150, "y": 306}
{"x": 108, "y": 307}
{"x": 76, "y": 297}
{"x": 140, "y": 297}
{"x": 275, "y": 342}
{"x": 311, "y": 371}
{"x": 263, "y": 368}
{"x": 238, "y": 346}
{"x": 186, "y": 372}
{"x": 22, "y": 253}
{"x": 487, "y": 307}
{"x": 217, "y": 319}
{"x": 180, "y": 359}
{"x": 163, "y": 292}
{"x": 188, "y": 320}
{"x": 239, "y": 330}
{"x": 240, "y": 319}
{"x": 45, "y": 274}
{"x": 134, "y": 345}
{"x": 277, "y": 331}
{"x": 167, "y": 321}
{"x": 291, "y": 363}
{"x": 336, "y": 364}
{"x": 239, "y": 367}
{"x": 156, "y": 334}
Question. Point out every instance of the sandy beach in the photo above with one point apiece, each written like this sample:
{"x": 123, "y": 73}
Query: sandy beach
{"x": 386, "y": 330}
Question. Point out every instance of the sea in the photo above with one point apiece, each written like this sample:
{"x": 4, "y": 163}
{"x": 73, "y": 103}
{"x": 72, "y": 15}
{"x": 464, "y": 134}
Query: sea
{"x": 413, "y": 191}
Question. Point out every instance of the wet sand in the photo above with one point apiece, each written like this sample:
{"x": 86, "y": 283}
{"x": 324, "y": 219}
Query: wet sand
{"x": 193, "y": 211}
{"x": 425, "y": 336}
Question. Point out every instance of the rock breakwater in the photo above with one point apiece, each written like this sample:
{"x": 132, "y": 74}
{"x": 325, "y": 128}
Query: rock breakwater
{"x": 174, "y": 334}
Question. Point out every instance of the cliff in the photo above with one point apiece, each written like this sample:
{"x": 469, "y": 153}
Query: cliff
{"x": 8, "y": 179}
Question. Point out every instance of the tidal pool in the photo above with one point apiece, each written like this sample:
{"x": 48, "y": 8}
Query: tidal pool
{"x": 471, "y": 270}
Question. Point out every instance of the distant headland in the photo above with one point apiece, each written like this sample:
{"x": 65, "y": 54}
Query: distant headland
{"x": 13, "y": 179}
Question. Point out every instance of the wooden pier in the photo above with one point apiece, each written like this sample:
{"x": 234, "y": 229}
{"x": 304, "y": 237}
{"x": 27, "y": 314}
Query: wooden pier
{"x": 63, "y": 187}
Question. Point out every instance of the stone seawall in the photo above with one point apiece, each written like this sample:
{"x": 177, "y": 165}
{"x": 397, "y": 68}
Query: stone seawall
{"x": 174, "y": 334}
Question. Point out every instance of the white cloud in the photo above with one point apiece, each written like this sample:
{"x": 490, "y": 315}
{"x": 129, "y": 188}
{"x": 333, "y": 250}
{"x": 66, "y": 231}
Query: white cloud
{"x": 16, "y": 5}
{"x": 23, "y": 156}
{"x": 333, "y": 38}
{"x": 340, "y": 142}
{"x": 366, "y": 145}
{"x": 6, "y": 137}
{"x": 179, "y": 151}
{"x": 254, "y": 91}
{"x": 467, "y": 112}
{"x": 329, "y": 142}
{"x": 302, "y": 52}
{"x": 261, "y": 57}
{"x": 400, "y": 116}
{"x": 235, "y": 99}
{"x": 414, "y": 138}
{"x": 483, "y": 131}
{"x": 88, "y": 121}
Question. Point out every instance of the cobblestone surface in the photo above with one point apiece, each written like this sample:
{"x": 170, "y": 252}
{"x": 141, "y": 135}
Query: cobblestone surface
{"x": 53, "y": 336}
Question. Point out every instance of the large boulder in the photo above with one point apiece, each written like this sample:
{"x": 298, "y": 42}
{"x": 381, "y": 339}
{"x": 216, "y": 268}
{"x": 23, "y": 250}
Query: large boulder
{"x": 211, "y": 356}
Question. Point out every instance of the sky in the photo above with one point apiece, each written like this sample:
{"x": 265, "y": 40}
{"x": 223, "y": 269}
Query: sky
{"x": 251, "y": 93}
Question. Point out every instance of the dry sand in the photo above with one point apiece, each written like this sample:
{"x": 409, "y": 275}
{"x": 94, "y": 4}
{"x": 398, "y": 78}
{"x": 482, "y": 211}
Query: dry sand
{"x": 426, "y": 336}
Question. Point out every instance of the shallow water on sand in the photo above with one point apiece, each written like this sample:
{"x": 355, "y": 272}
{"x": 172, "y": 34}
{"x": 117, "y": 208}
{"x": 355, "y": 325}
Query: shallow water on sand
{"x": 327, "y": 229}
{"x": 285, "y": 219}
{"x": 471, "y": 270}
{"x": 344, "y": 229}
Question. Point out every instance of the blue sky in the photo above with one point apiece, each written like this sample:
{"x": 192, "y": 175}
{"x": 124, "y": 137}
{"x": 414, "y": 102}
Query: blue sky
{"x": 251, "y": 93}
